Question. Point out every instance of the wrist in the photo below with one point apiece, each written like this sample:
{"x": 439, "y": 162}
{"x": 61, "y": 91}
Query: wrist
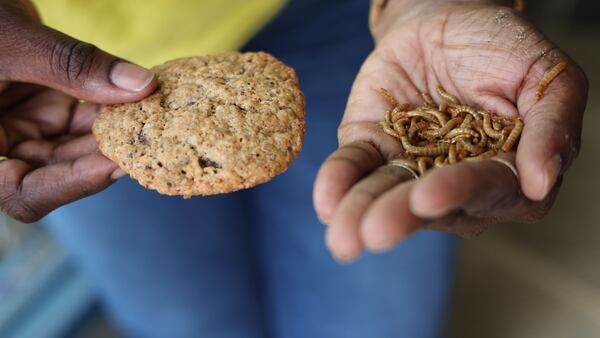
{"x": 386, "y": 13}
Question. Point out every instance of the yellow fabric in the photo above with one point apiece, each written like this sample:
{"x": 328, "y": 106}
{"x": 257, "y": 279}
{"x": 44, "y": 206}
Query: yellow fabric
{"x": 150, "y": 32}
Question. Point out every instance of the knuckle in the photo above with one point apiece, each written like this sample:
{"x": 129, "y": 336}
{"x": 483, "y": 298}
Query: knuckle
{"x": 16, "y": 206}
{"x": 19, "y": 210}
{"x": 27, "y": 212}
{"x": 72, "y": 60}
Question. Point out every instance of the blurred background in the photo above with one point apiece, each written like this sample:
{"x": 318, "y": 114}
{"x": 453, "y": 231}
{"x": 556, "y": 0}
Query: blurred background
{"x": 514, "y": 281}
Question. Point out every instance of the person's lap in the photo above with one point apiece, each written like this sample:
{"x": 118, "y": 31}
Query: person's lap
{"x": 252, "y": 262}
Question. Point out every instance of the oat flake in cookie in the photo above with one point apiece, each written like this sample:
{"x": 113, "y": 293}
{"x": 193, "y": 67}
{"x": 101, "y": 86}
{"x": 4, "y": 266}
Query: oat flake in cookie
{"x": 216, "y": 124}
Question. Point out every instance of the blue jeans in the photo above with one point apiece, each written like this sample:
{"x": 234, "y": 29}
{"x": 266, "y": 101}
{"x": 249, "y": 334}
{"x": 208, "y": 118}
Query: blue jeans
{"x": 253, "y": 263}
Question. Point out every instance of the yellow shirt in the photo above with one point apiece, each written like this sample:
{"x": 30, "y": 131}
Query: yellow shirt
{"x": 150, "y": 32}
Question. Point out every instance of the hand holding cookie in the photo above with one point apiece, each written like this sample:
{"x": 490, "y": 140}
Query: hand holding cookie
{"x": 217, "y": 124}
{"x": 492, "y": 60}
{"x": 49, "y": 157}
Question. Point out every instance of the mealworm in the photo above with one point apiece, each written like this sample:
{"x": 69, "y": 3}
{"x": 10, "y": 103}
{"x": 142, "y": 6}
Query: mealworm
{"x": 422, "y": 163}
{"x": 441, "y": 117}
{"x": 475, "y": 150}
{"x": 484, "y": 137}
{"x": 416, "y": 127}
{"x": 432, "y": 150}
{"x": 427, "y": 116}
{"x": 448, "y": 97}
{"x": 439, "y": 161}
{"x": 487, "y": 127}
{"x": 452, "y": 154}
{"x": 467, "y": 121}
{"x": 389, "y": 97}
{"x": 441, "y": 132}
{"x": 428, "y": 100}
{"x": 496, "y": 125}
{"x": 484, "y": 156}
{"x": 500, "y": 142}
{"x": 388, "y": 129}
{"x": 465, "y": 109}
{"x": 398, "y": 112}
{"x": 464, "y": 132}
{"x": 388, "y": 117}
{"x": 548, "y": 78}
{"x": 443, "y": 107}
{"x": 513, "y": 136}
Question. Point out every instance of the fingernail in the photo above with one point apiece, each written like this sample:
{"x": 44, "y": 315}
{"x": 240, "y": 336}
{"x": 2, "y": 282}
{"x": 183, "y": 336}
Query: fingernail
{"x": 130, "y": 77}
{"x": 118, "y": 174}
{"x": 552, "y": 170}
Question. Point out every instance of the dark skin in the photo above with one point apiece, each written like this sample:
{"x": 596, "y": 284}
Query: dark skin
{"x": 44, "y": 128}
{"x": 490, "y": 56}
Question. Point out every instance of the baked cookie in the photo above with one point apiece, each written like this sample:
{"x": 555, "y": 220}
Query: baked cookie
{"x": 216, "y": 124}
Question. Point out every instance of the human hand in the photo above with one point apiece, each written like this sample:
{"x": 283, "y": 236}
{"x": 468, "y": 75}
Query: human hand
{"x": 490, "y": 57}
{"x": 44, "y": 129}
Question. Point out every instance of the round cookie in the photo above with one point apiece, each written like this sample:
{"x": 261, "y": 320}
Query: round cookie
{"x": 216, "y": 124}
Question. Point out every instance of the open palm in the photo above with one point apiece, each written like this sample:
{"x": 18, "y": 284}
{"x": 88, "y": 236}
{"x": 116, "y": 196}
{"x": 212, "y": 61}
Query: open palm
{"x": 489, "y": 57}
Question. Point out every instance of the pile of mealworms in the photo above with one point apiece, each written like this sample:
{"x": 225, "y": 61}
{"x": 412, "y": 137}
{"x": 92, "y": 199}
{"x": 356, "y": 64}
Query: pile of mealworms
{"x": 436, "y": 135}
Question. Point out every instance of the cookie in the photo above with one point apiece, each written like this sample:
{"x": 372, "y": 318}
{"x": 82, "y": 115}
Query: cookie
{"x": 217, "y": 124}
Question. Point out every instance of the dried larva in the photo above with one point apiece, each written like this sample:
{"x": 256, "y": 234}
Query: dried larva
{"x": 435, "y": 135}
{"x": 548, "y": 78}
{"x": 440, "y": 161}
{"x": 464, "y": 132}
{"x": 427, "y": 100}
{"x": 452, "y": 154}
{"x": 389, "y": 97}
{"x": 389, "y": 130}
{"x": 452, "y": 100}
{"x": 423, "y": 163}
{"x": 441, "y": 132}
{"x": 425, "y": 115}
{"x": 514, "y": 135}
{"x": 484, "y": 156}
{"x": 473, "y": 149}
{"x": 487, "y": 126}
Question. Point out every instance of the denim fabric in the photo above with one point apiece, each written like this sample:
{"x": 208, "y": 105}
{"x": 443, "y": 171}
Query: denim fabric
{"x": 253, "y": 263}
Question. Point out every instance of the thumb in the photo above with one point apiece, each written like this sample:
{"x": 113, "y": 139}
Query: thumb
{"x": 30, "y": 52}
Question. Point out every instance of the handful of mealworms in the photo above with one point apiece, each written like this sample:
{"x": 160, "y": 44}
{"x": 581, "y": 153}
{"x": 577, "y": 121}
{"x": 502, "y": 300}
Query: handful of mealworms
{"x": 436, "y": 135}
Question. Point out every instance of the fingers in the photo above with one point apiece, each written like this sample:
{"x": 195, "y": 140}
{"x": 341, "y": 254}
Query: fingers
{"x": 84, "y": 115}
{"x": 487, "y": 190}
{"x": 37, "y": 54}
{"x": 551, "y": 138}
{"x": 16, "y": 93}
{"x": 46, "y": 115}
{"x": 28, "y": 195}
{"x": 389, "y": 219}
{"x": 343, "y": 234}
{"x": 460, "y": 186}
{"x": 40, "y": 153}
{"x": 341, "y": 170}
